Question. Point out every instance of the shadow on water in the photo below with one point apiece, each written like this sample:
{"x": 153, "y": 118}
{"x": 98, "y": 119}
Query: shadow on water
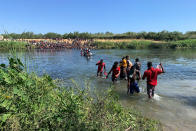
{"x": 188, "y": 100}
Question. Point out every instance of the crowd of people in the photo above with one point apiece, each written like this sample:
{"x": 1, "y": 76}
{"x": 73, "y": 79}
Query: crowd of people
{"x": 130, "y": 72}
{"x": 85, "y": 52}
{"x": 60, "y": 44}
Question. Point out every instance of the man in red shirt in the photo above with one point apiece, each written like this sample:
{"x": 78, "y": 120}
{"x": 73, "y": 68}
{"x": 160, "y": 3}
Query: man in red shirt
{"x": 101, "y": 65}
{"x": 151, "y": 75}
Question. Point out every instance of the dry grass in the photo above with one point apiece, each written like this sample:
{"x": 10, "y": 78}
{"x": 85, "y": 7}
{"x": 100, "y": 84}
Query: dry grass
{"x": 126, "y": 40}
{"x": 98, "y": 40}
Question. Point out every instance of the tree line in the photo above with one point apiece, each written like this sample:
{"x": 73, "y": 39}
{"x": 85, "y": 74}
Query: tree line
{"x": 163, "y": 35}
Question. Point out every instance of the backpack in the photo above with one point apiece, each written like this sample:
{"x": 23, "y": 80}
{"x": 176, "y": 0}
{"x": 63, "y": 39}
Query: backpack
{"x": 131, "y": 71}
{"x": 128, "y": 63}
{"x": 136, "y": 66}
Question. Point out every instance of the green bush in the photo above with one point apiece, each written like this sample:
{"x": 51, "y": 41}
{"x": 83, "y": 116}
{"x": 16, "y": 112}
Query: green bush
{"x": 29, "y": 102}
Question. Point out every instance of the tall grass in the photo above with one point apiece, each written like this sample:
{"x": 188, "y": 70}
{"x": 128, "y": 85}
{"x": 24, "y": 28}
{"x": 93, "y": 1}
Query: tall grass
{"x": 7, "y": 45}
{"x": 29, "y": 102}
{"x": 141, "y": 44}
{"x": 189, "y": 43}
{"x": 117, "y": 44}
{"x": 135, "y": 44}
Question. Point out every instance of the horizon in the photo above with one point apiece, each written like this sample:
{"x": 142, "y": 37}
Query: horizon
{"x": 94, "y": 32}
{"x": 97, "y": 16}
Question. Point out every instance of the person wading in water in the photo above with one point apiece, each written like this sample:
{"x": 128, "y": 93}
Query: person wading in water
{"x": 132, "y": 86}
{"x": 115, "y": 71}
{"x": 123, "y": 67}
{"x": 101, "y": 65}
{"x": 151, "y": 75}
{"x": 137, "y": 67}
{"x": 129, "y": 65}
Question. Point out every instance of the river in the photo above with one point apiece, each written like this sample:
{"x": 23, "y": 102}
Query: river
{"x": 175, "y": 100}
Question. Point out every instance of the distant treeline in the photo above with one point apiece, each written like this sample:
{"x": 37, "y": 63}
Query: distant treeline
{"x": 163, "y": 35}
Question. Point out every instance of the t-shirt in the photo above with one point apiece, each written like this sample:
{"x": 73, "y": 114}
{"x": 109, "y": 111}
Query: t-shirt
{"x": 130, "y": 72}
{"x": 137, "y": 65}
{"x": 129, "y": 63}
{"x": 100, "y": 66}
{"x": 151, "y": 75}
{"x": 115, "y": 71}
{"x": 124, "y": 63}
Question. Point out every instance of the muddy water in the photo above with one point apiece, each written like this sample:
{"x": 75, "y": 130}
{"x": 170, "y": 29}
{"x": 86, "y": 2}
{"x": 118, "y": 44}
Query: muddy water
{"x": 175, "y": 100}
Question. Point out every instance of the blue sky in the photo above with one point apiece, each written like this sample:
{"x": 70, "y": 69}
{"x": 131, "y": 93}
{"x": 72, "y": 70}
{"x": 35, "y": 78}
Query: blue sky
{"x": 117, "y": 16}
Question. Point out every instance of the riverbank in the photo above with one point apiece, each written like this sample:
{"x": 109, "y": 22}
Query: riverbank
{"x": 29, "y": 102}
{"x": 46, "y": 44}
{"x": 97, "y": 44}
{"x": 143, "y": 44}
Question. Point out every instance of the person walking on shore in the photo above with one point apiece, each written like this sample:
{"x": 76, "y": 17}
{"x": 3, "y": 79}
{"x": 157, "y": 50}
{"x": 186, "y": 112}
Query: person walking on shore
{"x": 151, "y": 75}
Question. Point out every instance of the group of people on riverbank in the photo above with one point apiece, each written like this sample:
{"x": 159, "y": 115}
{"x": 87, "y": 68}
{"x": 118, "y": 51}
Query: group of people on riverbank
{"x": 132, "y": 74}
{"x": 60, "y": 44}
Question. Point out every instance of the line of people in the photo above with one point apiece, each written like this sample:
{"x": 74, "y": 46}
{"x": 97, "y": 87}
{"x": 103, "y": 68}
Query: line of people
{"x": 85, "y": 52}
{"x": 131, "y": 72}
{"x": 60, "y": 44}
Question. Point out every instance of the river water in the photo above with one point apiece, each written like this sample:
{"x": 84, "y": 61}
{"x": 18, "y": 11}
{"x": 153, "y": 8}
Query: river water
{"x": 175, "y": 100}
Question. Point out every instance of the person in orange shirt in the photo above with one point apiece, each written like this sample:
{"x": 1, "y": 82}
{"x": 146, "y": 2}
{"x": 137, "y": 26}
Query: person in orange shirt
{"x": 123, "y": 67}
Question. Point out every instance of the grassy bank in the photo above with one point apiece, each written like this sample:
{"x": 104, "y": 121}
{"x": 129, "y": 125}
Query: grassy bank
{"x": 7, "y": 45}
{"x": 189, "y": 43}
{"x": 142, "y": 44}
{"x": 29, "y": 102}
{"x": 116, "y": 44}
{"x": 123, "y": 44}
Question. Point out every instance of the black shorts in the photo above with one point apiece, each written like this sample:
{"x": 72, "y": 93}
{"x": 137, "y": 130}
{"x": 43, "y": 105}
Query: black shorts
{"x": 150, "y": 89}
{"x": 114, "y": 78}
{"x": 99, "y": 71}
